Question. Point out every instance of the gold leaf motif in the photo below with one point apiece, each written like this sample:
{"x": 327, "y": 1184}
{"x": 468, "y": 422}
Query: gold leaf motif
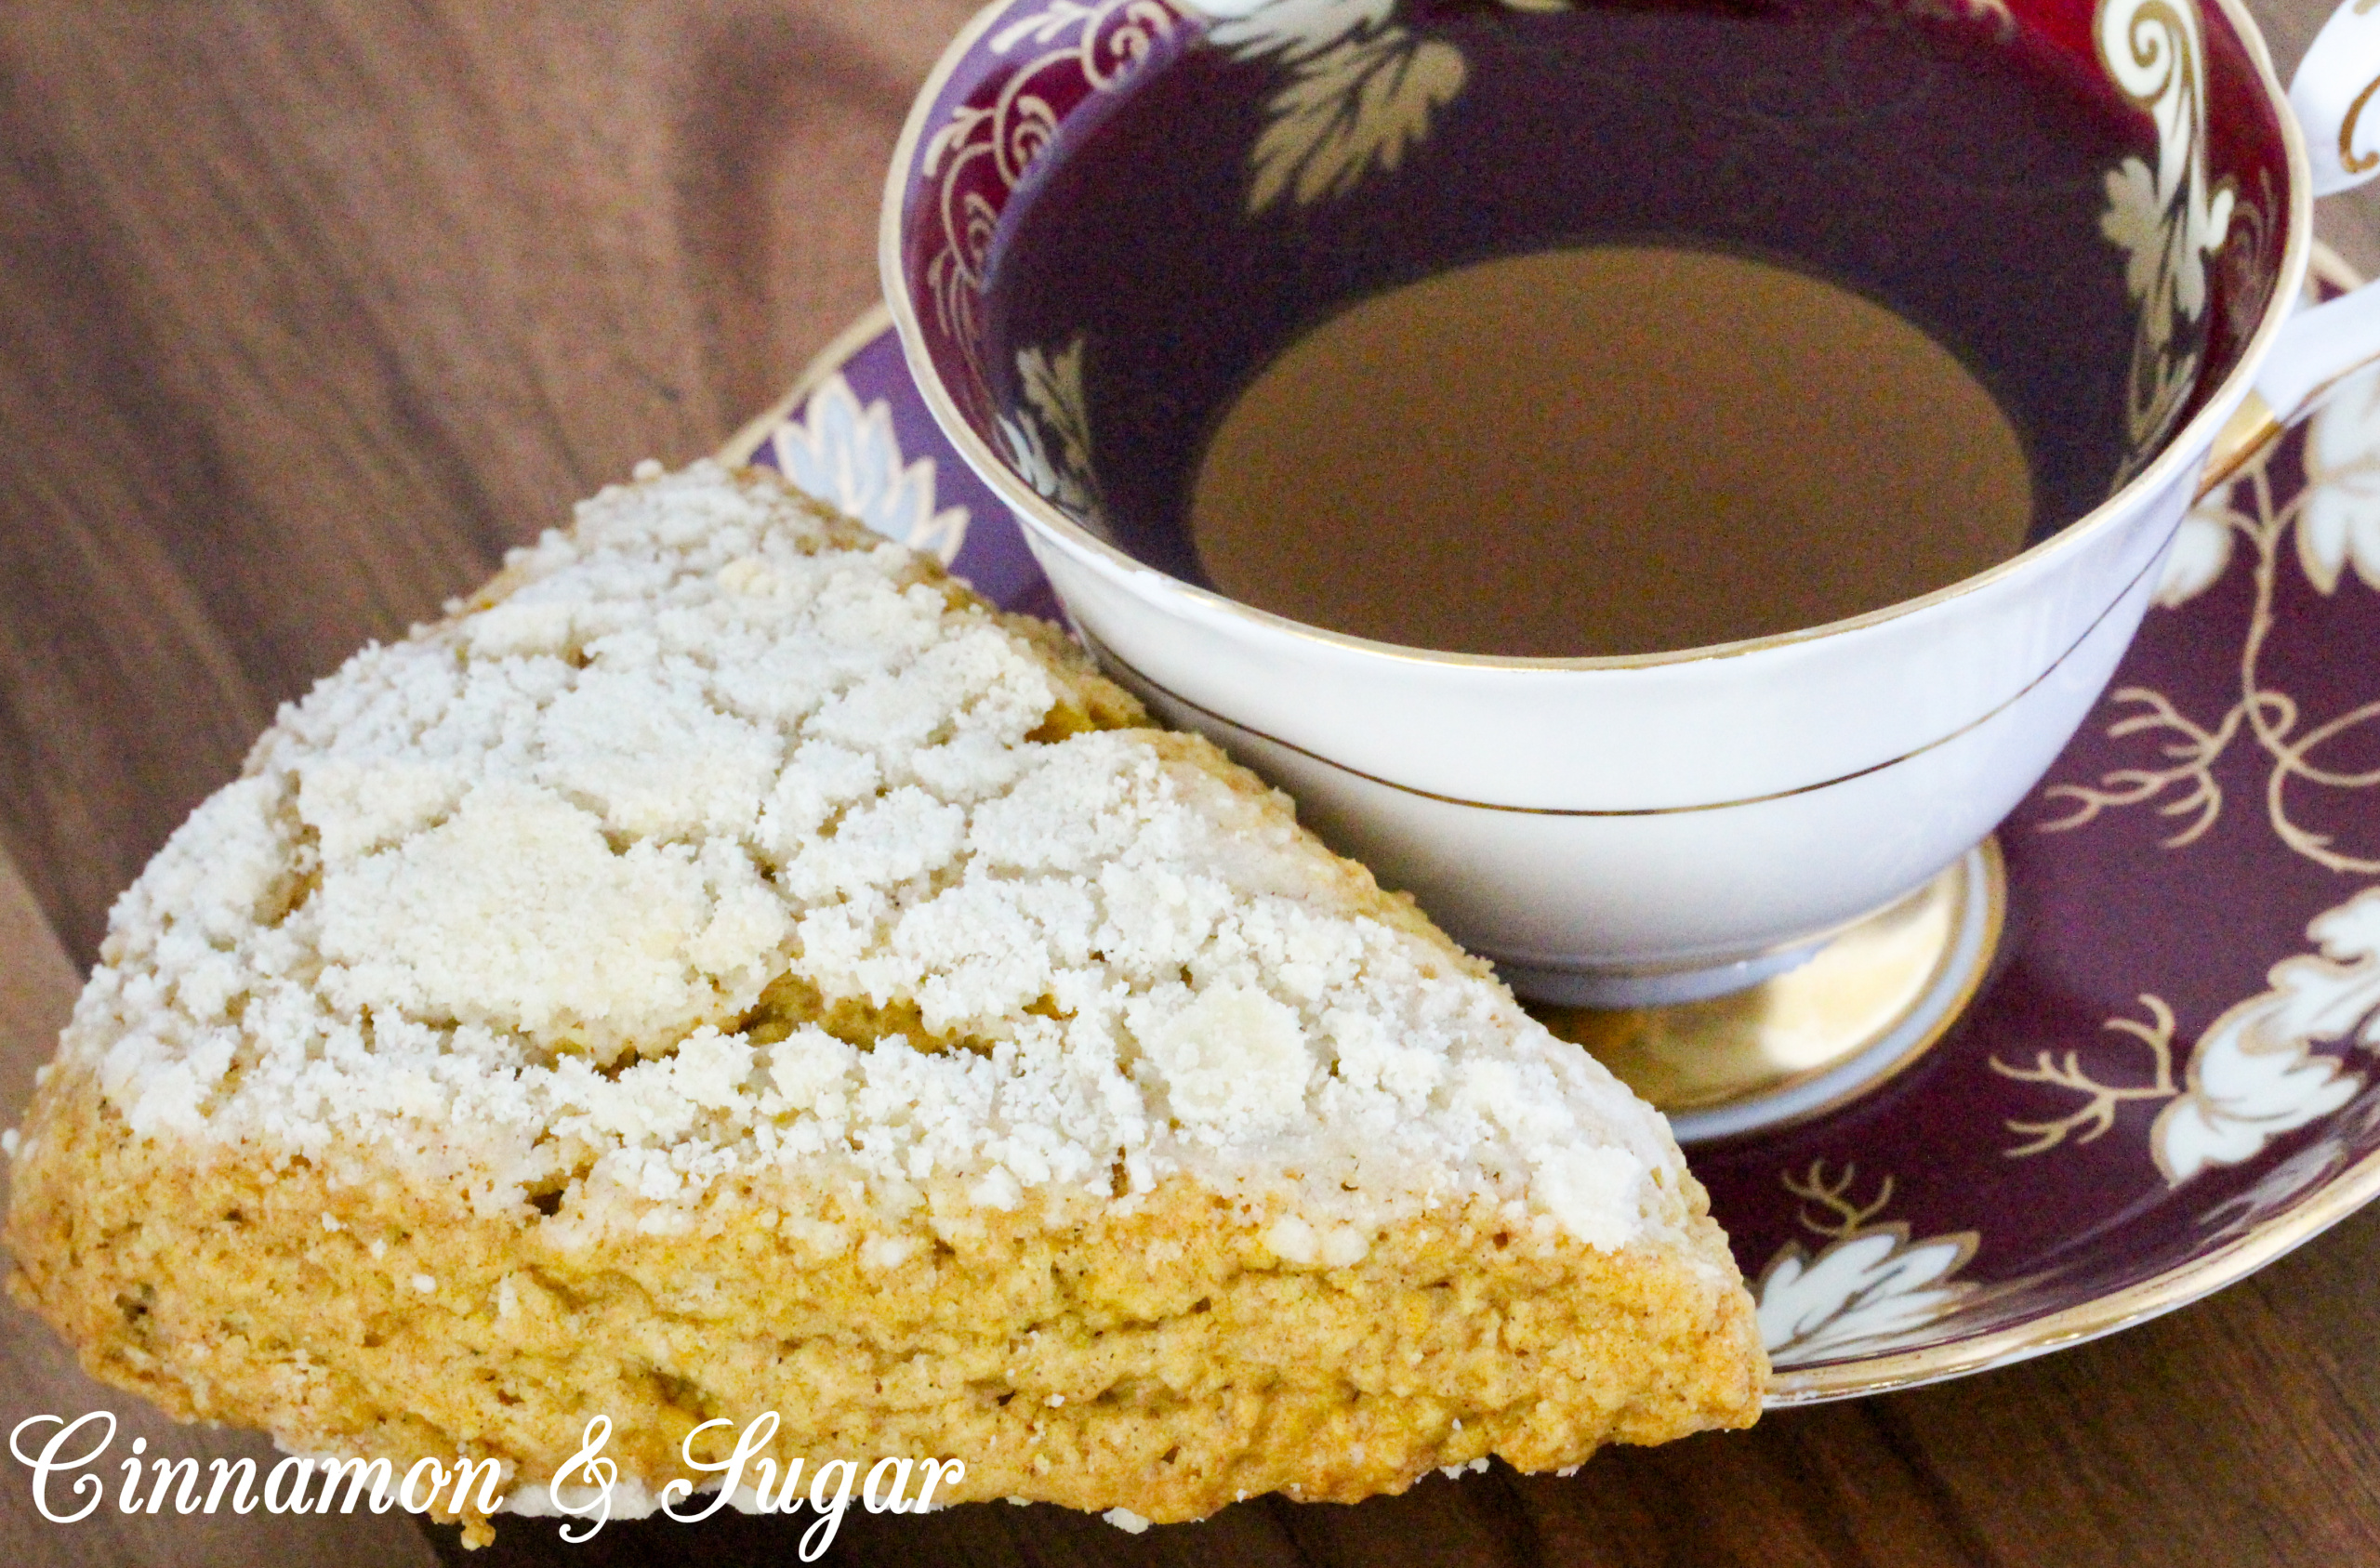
{"x": 2098, "y": 1113}
{"x": 2195, "y": 752}
{"x": 1361, "y": 92}
{"x": 1347, "y": 111}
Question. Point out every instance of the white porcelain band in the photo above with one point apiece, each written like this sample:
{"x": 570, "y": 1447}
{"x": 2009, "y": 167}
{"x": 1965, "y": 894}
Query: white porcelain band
{"x": 2337, "y": 98}
{"x": 2335, "y": 95}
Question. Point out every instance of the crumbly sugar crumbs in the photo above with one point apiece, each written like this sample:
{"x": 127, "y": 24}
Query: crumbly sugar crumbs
{"x": 721, "y": 843}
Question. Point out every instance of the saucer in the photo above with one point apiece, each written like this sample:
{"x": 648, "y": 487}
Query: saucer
{"x": 2161, "y": 1081}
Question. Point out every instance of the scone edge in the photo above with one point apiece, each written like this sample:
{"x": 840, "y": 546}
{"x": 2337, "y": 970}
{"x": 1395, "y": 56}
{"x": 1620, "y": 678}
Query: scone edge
{"x": 1190, "y": 1364}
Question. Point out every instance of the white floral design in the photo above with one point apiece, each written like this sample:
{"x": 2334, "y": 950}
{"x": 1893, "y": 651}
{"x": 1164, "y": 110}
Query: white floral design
{"x": 2164, "y": 218}
{"x": 1858, "y": 1293}
{"x": 1047, "y": 441}
{"x": 848, "y": 457}
{"x": 2302, "y": 1174}
{"x": 2337, "y": 515}
{"x": 1870, "y": 1285}
{"x": 2340, "y": 522}
{"x": 2201, "y": 551}
{"x": 2255, "y": 1075}
{"x": 1294, "y": 29}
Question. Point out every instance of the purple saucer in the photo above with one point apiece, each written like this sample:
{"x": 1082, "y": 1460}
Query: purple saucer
{"x": 2162, "y": 1084}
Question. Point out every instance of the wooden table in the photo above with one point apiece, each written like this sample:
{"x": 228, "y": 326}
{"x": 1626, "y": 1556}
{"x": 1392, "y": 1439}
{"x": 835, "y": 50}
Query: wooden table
{"x": 308, "y": 311}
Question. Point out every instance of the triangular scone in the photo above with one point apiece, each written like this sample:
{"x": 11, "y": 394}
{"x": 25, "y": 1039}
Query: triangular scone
{"x": 727, "y": 967}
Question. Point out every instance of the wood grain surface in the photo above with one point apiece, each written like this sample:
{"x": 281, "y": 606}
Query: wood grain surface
{"x": 308, "y": 309}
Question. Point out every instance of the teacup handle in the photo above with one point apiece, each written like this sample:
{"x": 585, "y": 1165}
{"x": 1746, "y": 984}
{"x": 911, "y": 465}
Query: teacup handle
{"x": 2337, "y": 97}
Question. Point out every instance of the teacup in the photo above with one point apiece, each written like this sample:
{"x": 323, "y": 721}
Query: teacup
{"x": 1106, "y": 216}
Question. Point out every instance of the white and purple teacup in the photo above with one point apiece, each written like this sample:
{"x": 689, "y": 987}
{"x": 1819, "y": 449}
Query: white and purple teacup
{"x": 1106, "y": 216}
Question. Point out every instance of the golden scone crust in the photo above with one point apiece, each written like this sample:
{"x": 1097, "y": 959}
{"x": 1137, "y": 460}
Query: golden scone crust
{"x": 1164, "y": 1359}
{"x": 1236, "y": 1299}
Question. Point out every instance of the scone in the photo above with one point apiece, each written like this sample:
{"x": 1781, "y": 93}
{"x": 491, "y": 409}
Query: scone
{"x": 727, "y": 967}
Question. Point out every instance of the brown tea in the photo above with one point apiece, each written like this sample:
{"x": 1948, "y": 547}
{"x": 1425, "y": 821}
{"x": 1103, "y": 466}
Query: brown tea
{"x": 1680, "y": 322}
{"x": 1606, "y": 450}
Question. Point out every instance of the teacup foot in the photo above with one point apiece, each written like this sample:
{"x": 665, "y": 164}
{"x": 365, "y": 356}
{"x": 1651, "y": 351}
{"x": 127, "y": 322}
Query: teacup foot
{"x": 1819, "y": 1026}
{"x": 1598, "y": 991}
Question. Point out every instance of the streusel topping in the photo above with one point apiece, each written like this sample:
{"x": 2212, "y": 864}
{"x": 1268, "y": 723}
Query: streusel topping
{"x": 727, "y": 843}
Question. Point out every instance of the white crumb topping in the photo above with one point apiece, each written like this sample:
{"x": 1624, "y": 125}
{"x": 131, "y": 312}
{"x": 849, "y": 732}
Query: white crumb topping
{"x": 499, "y": 900}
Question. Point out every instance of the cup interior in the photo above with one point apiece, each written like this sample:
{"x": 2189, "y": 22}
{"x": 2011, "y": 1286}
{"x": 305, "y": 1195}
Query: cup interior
{"x": 1114, "y": 218}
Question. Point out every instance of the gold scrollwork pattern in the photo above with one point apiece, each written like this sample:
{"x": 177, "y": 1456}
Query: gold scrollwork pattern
{"x": 2254, "y": 1074}
{"x": 984, "y": 149}
{"x": 2246, "y": 265}
{"x": 2164, "y": 218}
{"x": 2349, "y": 159}
{"x": 2100, "y": 1100}
{"x": 2333, "y": 522}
